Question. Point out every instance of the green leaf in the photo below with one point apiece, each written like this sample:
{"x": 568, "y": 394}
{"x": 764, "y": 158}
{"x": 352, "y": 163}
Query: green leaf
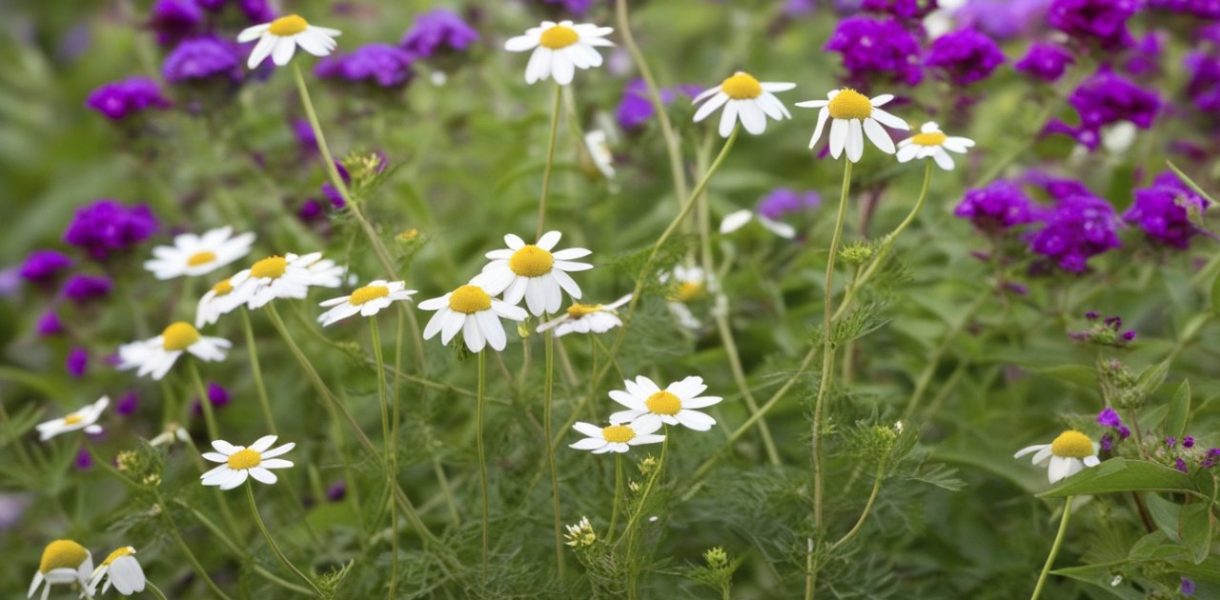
{"x": 1122, "y": 475}
{"x": 1179, "y": 411}
{"x": 1195, "y": 529}
{"x": 1152, "y": 378}
{"x": 1101, "y": 576}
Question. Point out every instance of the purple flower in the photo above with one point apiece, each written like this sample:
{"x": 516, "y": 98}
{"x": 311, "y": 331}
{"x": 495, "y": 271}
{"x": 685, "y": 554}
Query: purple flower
{"x": 1107, "y": 98}
{"x": 1109, "y": 418}
{"x": 903, "y": 9}
{"x": 42, "y": 266}
{"x": 336, "y": 491}
{"x": 1180, "y": 465}
{"x": 1000, "y": 206}
{"x": 1079, "y": 227}
{"x": 77, "y": 362}
{"x": 1045, "y": 61}
{"x": 1161, "y": 211}
{"x": 83, "y": 288}
{"x": 1204, "y": 9}
{"x": 781, "y": 202}
{"x": 331, "y": 193}
{"x": 1170, "y": 441}
{"x": 310, "y": 210}
{"x": 84, "y": 460}
{"x": 49, "y": 324}
{"x": 257, "y": 11}
{"x": 1213, "y": 456}
{"x": 108, "y": 226}
{"x": 127, "y": 404}
{"x": 1188, "y": 442}
{"x": 1092, "y": 316}
{"x": 1129, "y": 335}
{"x": 306, "y": 140}
{"x": 175, "y": 20}
{"x": 576, "y": 8}
{"x": 437, "y": 31}
{"x": 119, "y": 99}
{"x": 1146, "y": 55}
{"x": 964, "y": 56}
{"x": 1101, "y": 21}
{"x": 202, "y": 59}
{"x": 1107, "y": 443}
{"x": 1002, "y": 19}
{"x": 218, "y": 397}
{"x": 1187, "y": 586}
{"x": 635, "y": 108}
{"x": 1123, "y": 432}
{"x": 381, "y": 64}
{"x": 1204, "y": 85}
{"x": 877, "y": 49}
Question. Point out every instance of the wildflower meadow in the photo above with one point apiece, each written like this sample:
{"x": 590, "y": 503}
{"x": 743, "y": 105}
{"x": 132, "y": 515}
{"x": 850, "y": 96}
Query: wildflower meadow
{"x": 644, "y": 299}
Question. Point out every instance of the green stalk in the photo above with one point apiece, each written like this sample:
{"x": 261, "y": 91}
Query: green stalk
{"x": 550, "y": 160}
{"x": 186, "y": 549}
{"x": 548, "y": 401}
{"x": 208, "y": 415}
{"x": 480, "y": 409}
{"x": 1050, "y": 558}
{"x": 275, "y": 548}
{"x": 256, "y": 372}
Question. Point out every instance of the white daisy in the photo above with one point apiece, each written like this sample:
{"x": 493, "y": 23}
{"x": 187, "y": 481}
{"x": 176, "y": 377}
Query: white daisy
{"x": 1068, "y": 454}
{"x": 533, "y": 272}
{"x": 736, "y": 220}
{"x": 560, "y": 49}
{"x": 598, "y": 145}
{"x": 173, "y": 432}
{"x": 222, "y": 299}
{"x": 855, "y": 115}
{"x": 744, "y": 99}
{"x": 193, "y": 255}
{"x": 63, "y": 562}
{"x": 279, "y": 40}
{"x": 124, "y": 572}
{"x": 241, "y": 462}
{"x": 85, "y": 418}
{"x": 586, "y": 318}
{"x": 155, "y": 356}
{"x": 689, "y": 284}
{"x": 931, "y": 142}
{"x": 368, "y": 301}
{"x": 471, "y": 310}
{"x": 288, "y": 276}
{"x": 615, "y": 438}
{"x": 648, "y": 405}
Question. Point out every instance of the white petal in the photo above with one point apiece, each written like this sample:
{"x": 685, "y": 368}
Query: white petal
{"x": 878, "y": 136}
{"x": 736, "y": 220}
{"x": 838, "y": 137}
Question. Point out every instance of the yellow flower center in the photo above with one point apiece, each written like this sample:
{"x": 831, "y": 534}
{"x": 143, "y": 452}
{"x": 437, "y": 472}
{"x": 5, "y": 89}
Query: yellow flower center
{"x": 531, "y": 261}
{"x": 577, "y": 311}
{"x": 117, "y": 554}
{"x": 368, "y": 292}
{"x": 200, "y": 258}
{"x": 663, "y": 403}
{"x": 290, "y": 25}
{"x": 687, "y": 291}
{"x": 741, "y": 86}
{"x": 469, "y": 299}
{"x": 618, "y": 434}
{"x": 62, "y": 554}
{"x": 934, "y": 138}
{"x": 1073, "y": 444}
{"x": 223, "y": 287}
{"x": 271, "y": 267}
{"x": 558, "y": 37}
{"x": 179, "y": 336}
{"x": 850, "y": 104}
{"x": 245, "y": 459}
{"x": 73, "y": 419}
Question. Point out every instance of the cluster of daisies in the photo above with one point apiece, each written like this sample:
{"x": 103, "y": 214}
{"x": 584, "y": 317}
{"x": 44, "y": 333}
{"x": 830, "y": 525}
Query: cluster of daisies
{"x": 66, "y": 562}
{"x": 648, "y": 409}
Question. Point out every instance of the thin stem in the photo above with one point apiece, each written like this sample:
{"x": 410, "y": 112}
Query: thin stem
{"x": 275, "y": 548}
{"x": 868, "y": 507}
{"x": 480, "y": 409}
{"x": 547, "y": 425}
{"x": 383, "y": 397}
{"x": 633, "y": 522}
{"x": 1050, "y": 558}
{"x": 204, "y": 402}
{"x": 256, "y": 372}
{"x": 244, "y": 554}
{"x": 618, "y": 493}
{"x": 186, "y": 549}
{"x": 550, "y": 159}
{"x": 156, "y": 591}
{"x": 933, "y": 360}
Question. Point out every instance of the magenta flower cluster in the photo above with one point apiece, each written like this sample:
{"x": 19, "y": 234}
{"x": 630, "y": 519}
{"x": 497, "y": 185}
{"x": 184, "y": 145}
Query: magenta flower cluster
{"x": 1161, "y": 211}
{"x": 438, "y": 31}
{"x": 1100, "y": 22}
{"x": 1080, "y": 226}
{"x": 877, "y": 49}
{"x": 105, "y": 227}
{"x": 382, "y": 65}
{"x": 120, "y": 99}
{"x": 964, "y": 57}
{"x": 996, "y": 208}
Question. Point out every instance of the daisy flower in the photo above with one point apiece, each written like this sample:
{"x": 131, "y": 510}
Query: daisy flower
{"x": 560, "y": 49}
{"x": 932, "y": 142}
{"x": 471, "y": 310}
{"x": 648, "y": 406}
{"x": 368, "y": 301}
{"x": 598, "y": 145}
{"x": 63, "y": 562}
{"x": 533, "y": 272}
{"x": 689, "y": 284}
{"x": 155, "y": 356}
{"x": 586, "y": 318}
{"x": 744, "y": 99}
{"x": 855, "y": 115}
{"x": 288, "y": 276}
{"x": 220, "y": 300}
{"x": 193, "y": 255}
{"x": 736, "y": 220}
{"x": 279, "y": 40}
{"x": 240, "y": 462}
{"x": 1068, "y": 454}
{"x": 120, "y": 569}
{"x": 85, "y": 418}
{"x": 615, "y": 438}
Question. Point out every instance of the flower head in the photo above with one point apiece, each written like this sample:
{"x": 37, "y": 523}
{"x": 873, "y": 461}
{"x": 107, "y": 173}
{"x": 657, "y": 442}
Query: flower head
{"x": 471, "y": 310}
{"x": 49, "y": 324}
{"x": 155, "y": 356}
{"x": 175, "y": 20}
{"x": 1045, "y": 61}
{"x": 964, "y": 57}
{"x": 854, "y": 115}
{"x": 240, "y": 462}
{"x": 279, "y": 40}
{"x": 202, "y": 59}
{"x": 367, "y": 301}
{"x": 437, "y": 31}
{"x": 219, "y": 300}
{"x": 1163, "y": 211}
{"x": 84, "y": 288}
{"x": 120, "y": 99}
{"x": 77, "y": 362}
{"x": 1103, "y": 22}
{"x": 534, "y": 272}
{"x": 587, "y": 318}
{"x": 998, "y": 207}
{"x": 1079, "y": 227}
{"x": 781, "y": 202}
{"x": 558, "y": 49}
{"x": 648, "y": 405}
{"x": 120, "y": 569}
{"x": 193, "y": 255}
{"x": 105, "y": 227}
{"x": 63, "y": 562}
{"x": 616, "y": 438}
{"x": 635, "y": 108}
{"x": 42, "y": 266}
{"x": 745, "y": 100}
{"x": 932, "y": 143}
{"x": 382, "y": 65}
{"x": 877, "y": 49}
{"x": 85, "y": 418}
{"x": 1068, "y": 454}
{"x": 279, "y": 277}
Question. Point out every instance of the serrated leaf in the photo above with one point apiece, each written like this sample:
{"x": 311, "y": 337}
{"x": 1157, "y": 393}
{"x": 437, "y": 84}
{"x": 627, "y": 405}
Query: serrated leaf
{"x": 1179, "y": 411}
{"x": 1122, "y": 475}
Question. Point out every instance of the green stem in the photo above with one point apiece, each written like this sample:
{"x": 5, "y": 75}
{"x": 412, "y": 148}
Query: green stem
{"x": 547, "y": 425}
{"x": 186, "y": 549}
{"x": 633, "y": 523}
{"x": 275, "y": 548}
{"x": 204, "y": 402}
{"x": 156, "y": 591}
{"x": 256, "y": 372}
{"x": 933, "y": 360}
{"x": 1050, "y": 558}
{"x": 238, "y": 551}
{"x": 868, "y": 507}
{"x": 388, "y": 443}
{"x": 170, "y": 403}
{"x": 618, "y": 494}
{"x": 480, "y": 409}
{"x": 550, "y": 160}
